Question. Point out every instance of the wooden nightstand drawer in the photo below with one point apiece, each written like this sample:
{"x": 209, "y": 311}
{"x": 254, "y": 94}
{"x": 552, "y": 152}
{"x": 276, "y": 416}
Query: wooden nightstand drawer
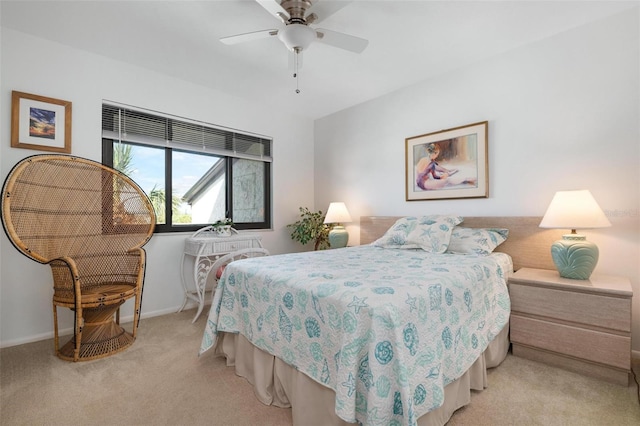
{"x": 585, "y": 308}
{"x": 595, "y": 346}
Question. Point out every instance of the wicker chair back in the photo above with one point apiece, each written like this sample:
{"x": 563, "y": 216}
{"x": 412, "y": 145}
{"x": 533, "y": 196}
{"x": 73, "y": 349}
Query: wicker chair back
{"x": 89, "y": 223}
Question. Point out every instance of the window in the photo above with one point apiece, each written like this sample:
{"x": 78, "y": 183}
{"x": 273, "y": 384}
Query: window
{"x": 194, "y": 173}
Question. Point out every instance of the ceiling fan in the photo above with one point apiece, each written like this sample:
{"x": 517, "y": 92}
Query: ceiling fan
{"x": 297, "y": 15}
{"x": 297, "y": 35}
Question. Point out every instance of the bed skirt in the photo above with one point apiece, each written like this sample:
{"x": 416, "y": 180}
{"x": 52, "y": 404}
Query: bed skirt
{"x": 276, "y": 383}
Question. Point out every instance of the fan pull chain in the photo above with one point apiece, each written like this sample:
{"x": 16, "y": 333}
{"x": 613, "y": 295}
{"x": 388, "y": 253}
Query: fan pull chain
{"x": 296, "y": 51}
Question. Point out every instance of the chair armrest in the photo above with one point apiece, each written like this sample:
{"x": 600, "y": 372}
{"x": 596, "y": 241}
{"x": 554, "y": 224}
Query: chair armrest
{"x": 66, "y": 279}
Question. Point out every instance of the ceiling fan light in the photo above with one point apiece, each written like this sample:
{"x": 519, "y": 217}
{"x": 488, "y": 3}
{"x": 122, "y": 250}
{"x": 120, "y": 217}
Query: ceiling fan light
{"x": 297, "y": 36}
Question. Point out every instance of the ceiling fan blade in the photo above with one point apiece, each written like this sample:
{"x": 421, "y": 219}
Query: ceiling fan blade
{"x": 341, "y": 40}
{"x": 274, "y": 8}
{"x": 323, "y": 9}
{"x": 241, "y": 38}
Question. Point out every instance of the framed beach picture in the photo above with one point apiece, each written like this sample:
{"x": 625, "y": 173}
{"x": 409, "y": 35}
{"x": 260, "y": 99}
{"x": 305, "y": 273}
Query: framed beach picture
{"x": 450, "y": 163}
{"x": 41, "y": 123}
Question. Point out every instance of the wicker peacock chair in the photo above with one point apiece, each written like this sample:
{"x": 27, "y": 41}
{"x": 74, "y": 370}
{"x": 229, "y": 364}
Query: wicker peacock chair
{"x": 89, "y": 223}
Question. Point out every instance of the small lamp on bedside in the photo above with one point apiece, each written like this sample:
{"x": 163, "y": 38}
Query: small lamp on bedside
{"x": 337, "y": 215}
{"x": 574, "y": 256}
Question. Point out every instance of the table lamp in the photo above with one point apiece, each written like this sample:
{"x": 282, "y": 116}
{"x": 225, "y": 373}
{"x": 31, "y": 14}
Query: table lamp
{"x": 337, "y": 214}
{"x": 574, "y": 256}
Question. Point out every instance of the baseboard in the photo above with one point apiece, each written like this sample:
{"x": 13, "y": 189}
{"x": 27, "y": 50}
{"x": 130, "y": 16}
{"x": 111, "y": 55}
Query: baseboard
{"x": 28, "y": 339}
{"x": 69, "y": 331}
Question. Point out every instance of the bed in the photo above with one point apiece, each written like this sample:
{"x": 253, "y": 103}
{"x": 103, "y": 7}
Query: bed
{"x": 373, "y": 334}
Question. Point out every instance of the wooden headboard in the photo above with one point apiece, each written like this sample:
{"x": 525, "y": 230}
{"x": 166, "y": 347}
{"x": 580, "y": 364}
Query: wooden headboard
{"x": 528, "y": 245}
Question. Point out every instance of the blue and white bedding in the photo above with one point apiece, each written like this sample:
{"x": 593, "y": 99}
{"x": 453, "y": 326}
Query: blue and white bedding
{"x": 386, "y": 329}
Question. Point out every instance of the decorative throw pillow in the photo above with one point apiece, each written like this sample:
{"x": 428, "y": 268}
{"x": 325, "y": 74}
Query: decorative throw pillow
{"x": 476, "y": 240}
{"x": 429, "y": 233}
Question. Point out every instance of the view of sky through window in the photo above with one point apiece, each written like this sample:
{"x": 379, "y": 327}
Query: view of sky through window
{"x": 147, "y": 170}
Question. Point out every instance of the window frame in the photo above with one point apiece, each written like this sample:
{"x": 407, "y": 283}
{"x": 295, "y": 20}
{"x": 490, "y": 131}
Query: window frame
{"x": 112, "y": 135}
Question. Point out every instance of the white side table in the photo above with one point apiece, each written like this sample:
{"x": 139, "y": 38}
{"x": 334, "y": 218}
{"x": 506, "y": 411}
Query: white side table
{"x": 205, "y": 247}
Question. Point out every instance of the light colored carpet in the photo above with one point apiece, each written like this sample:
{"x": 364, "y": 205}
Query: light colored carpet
{"x": 161, "y": 381}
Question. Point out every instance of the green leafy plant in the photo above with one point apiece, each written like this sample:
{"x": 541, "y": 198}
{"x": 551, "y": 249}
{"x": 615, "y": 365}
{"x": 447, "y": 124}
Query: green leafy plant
{"x": 222, "y": 222}
{"x": 311, "y": 227}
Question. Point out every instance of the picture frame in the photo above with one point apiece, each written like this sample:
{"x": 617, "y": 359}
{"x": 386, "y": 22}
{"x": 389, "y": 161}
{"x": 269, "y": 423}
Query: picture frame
{"x": 448, "y": 164}
{"x": 41, "y": 123}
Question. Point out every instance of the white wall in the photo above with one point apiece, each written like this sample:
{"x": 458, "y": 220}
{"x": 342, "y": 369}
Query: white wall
{"x": 564, "y": 113}
{"x": 37, "y": 66}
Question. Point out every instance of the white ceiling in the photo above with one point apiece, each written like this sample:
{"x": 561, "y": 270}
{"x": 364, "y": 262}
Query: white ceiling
{"x": 409, "y": 41}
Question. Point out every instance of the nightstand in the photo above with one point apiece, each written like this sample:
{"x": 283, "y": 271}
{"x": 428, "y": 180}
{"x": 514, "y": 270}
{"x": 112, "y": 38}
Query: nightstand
{"x": 580, "y": 325}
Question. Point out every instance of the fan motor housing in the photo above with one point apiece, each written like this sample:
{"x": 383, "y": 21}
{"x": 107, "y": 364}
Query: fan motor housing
{"x": 296, "y": 8}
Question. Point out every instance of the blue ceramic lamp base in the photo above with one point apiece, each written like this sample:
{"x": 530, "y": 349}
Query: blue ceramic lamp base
{"x": 574, "y": 256}
{"x": 338, "y": 237}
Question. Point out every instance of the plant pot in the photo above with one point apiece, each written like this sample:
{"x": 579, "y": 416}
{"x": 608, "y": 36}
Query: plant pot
{"x": 223, "y": 231}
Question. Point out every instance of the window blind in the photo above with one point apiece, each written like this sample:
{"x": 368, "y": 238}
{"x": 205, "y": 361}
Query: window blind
{"x": 136, "y": 125}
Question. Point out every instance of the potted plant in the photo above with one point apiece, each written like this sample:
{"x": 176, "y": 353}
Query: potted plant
{"x": 311, "y": 227}
{"x": 222, "y": 227}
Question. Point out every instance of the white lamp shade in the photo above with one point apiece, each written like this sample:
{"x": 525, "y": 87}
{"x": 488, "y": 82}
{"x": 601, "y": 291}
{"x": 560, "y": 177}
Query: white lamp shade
{"x": 574, "y": 210}
{"x": 337, "y": 213}
{"x": 297, "y": 36}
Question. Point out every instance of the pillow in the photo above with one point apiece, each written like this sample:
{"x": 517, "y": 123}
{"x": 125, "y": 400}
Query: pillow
{"x": 429, "y": 233}
{"x": 476, "y": 240}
